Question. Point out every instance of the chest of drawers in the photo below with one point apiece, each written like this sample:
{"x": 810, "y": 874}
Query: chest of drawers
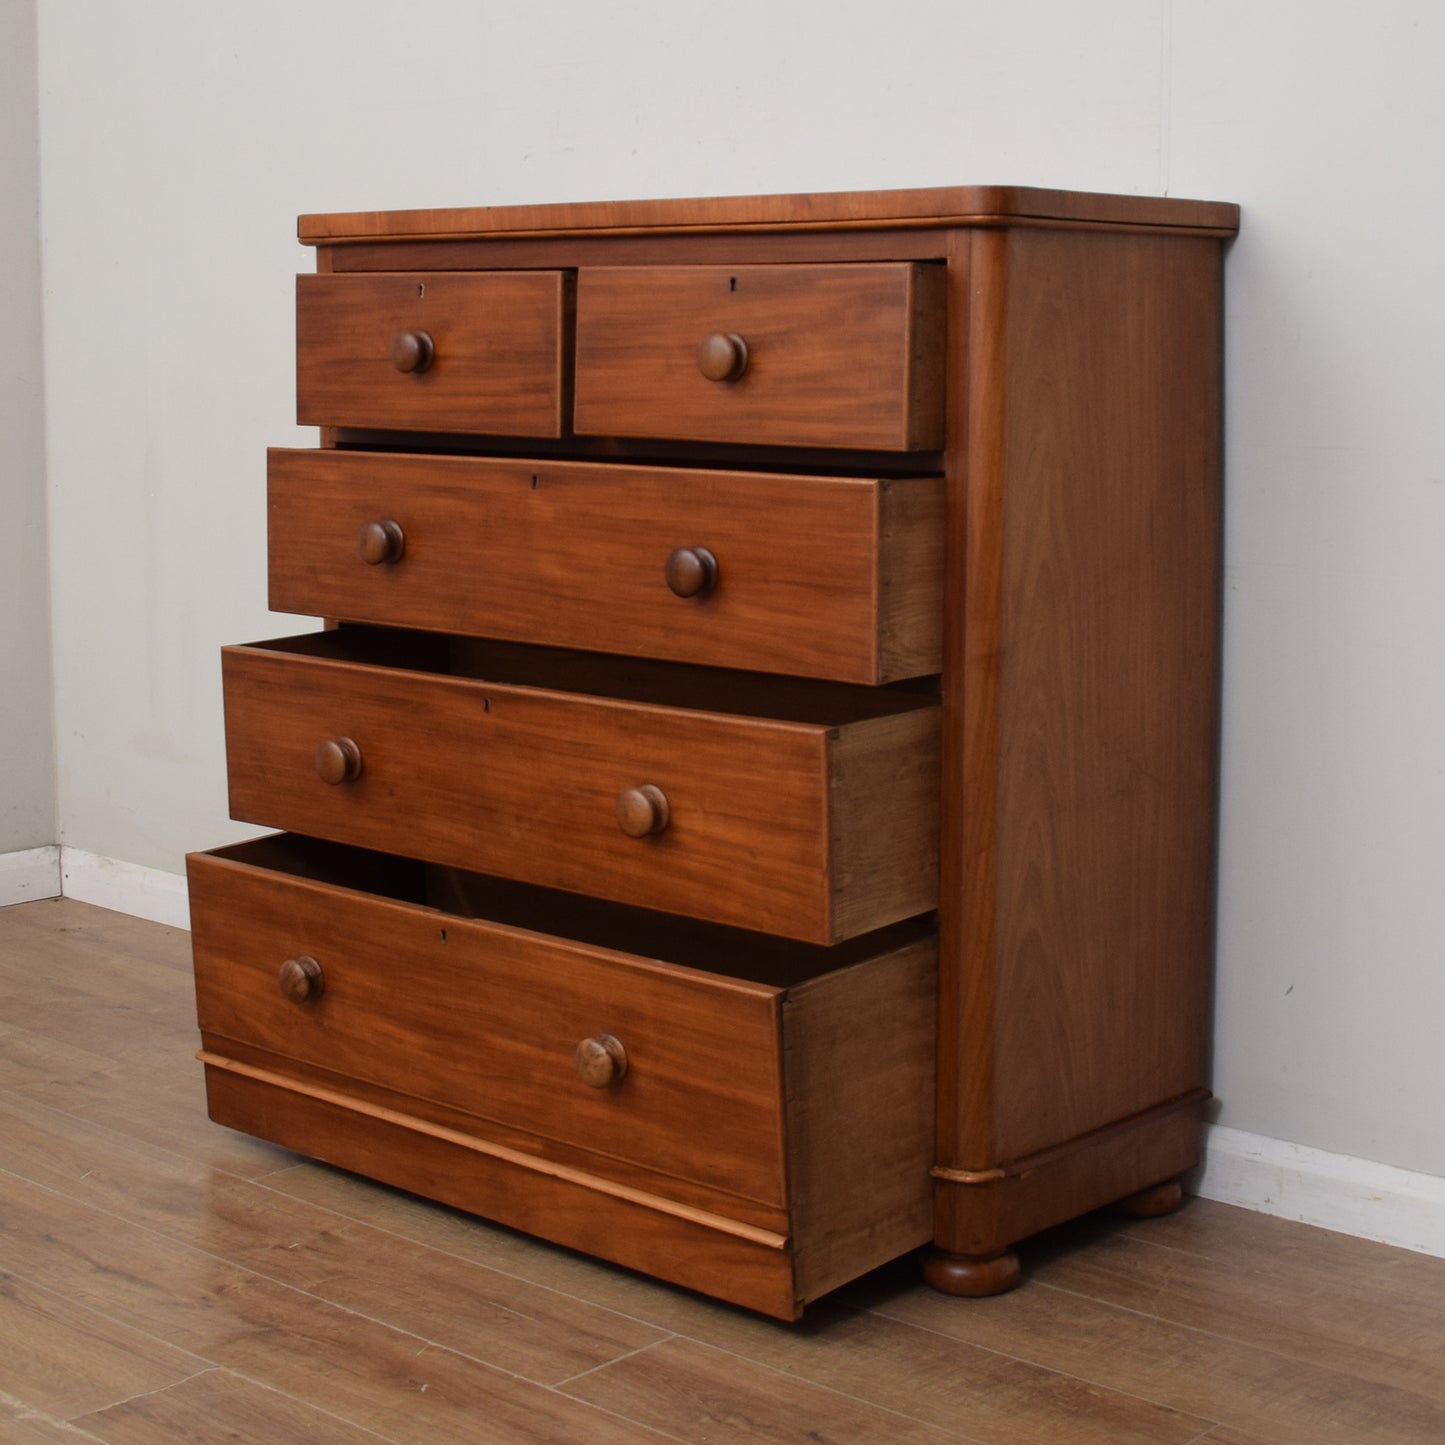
{"x": 752, "y": 814}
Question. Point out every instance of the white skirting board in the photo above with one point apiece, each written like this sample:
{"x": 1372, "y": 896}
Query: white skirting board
{"x": 125, "y": 887}
{"x": 29, "y": 874}
{"x": 1333, "y": 1191}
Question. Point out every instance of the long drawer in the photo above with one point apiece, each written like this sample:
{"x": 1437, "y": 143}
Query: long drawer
{"x": 779, "y": 1095}
{"x": 643, "y": 783}
{"x": 832, "y": 577}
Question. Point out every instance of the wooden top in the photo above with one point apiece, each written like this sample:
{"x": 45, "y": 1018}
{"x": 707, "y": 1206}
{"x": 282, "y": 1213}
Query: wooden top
{"x": 942, "y": 206}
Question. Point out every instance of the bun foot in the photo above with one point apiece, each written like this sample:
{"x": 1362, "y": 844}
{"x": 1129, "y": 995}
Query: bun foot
{"x": 972, "y": 1276}
{"x": 1151, "y": 1203}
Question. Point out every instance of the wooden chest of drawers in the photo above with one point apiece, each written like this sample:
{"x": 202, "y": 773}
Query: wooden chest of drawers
{"x": 753, "y": 815}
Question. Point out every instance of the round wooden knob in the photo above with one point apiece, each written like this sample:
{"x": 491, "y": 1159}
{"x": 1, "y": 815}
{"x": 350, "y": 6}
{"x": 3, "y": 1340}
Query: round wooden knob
{"x": 691, "y": 571}
{"x": 301, "y": 980}
{"x": 412, "y": 350}
{"x": 380, "y": 542}
{"x": 338, "y": 760}
{"x": 642, "y": 810}
{"x": 601, "y": 1061}
{"x": 723, "y": 356}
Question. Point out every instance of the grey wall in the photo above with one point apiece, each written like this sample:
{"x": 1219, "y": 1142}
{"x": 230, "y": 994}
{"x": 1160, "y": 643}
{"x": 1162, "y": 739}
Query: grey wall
{"x": 27, "y": 755}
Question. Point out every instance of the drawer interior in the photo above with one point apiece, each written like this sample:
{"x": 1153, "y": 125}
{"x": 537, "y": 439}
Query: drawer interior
{"x": 593, "y": 922}
{"x": 627, "y": 679}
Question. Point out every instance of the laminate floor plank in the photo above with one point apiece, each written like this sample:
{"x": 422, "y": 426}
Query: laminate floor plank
{"x": 885, "y": 1362}
{"x": 1392, "y": 1338}
{"x": 1304, "y": 1256}
{"x": 695, "y": 1392}
{"x": 156, "y": 1095}
{"x": 62, "y": 1359}
{"x": 137, "y": 1073}
{"x": 72, "y": 933}
{"x": 1248, "y": 1387}
{"x": 22, "y": 1424}
{"x": 166, "y": 1277}
{"x": 114, "y": 1024}
{"x": 356, "y": 1368}
{"x": 219, "y": 1408}
{"x": 506, "y": 1321}
{"x": 29, "y": 1059}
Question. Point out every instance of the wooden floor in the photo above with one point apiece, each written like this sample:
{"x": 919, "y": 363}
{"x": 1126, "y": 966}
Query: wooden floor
{"x": 162, "y": 1279}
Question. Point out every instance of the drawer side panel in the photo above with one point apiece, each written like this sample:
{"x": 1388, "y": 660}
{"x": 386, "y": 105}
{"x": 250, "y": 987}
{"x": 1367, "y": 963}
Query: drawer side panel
{"x": 884, "y": 783}
{"x": 859, "y": 1071}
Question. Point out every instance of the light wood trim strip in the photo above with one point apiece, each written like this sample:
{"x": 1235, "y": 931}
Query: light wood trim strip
{"x": 967, "y": 1176}
{"x": 1189, "y": 1100}
{"x": 598, "y": 1185}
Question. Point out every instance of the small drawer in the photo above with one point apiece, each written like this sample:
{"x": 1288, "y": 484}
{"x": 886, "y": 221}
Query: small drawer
{"x": 804, "y": 809}
{"x": 827, "y": 577}
{"x": 481, "y": 352}
{"x": 821, "y": 356}
{"x": 695, "y": 1071}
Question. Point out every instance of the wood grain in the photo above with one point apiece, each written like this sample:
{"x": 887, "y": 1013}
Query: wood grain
{"x": 842, "y": 583}
{"x": 25, "y": 1425}
{"x": 841, "y": 356}
{"x": 1389, "y": 1335}
{"x": 1080, "y": 705}
{"x": 1198, "y": 1365}
{"x": 493, "y": 1030}
{"x": 517, "y": 1326}
{"x": 750, "y": 797}
{"x": 882, "y": 772}
{"x": 217, "y": 1406}
{"x": 680, "y": 1245}
{"x": 500, "y": 342}
{"x": 1171, "y": 1342}
{"x": 702, "y": 1097}
{"x": 940, "y": 206}
{"x": 693, "y": 1392}
{"x": 357, "y": 1367}
{"x": 858, "y": 1070}
{"x": 67, "y": 1360}
{"x": 1056, "y": 359}
{"x": 1108, "y": 700}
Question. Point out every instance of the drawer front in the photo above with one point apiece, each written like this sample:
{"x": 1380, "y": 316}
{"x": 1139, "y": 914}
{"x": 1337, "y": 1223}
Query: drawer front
{"x": 825, "y": 356}
{"x": 435, "y": 351}
{"x": 813, "y": 576}
{"x": 806, "y": 830}
{"x": 487, "y": 1019}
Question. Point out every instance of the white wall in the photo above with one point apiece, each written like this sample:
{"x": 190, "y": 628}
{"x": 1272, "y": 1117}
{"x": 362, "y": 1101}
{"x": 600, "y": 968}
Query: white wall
{"x": 27, "y": 758}
{"x": 180, "y": 140}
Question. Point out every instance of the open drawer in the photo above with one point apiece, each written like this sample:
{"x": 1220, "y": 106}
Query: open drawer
{"x": 738, "y": 1114}
{"x": 800, "y": 808}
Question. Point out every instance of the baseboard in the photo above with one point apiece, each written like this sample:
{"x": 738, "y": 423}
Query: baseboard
{"x": 1333, "y": 1191}
{"x": 30, "y": 874}
{"x": 125, "y": 887}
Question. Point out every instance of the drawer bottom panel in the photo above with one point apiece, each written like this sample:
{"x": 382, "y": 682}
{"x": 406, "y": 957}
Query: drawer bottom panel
{"x": 698, "y": 1250}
